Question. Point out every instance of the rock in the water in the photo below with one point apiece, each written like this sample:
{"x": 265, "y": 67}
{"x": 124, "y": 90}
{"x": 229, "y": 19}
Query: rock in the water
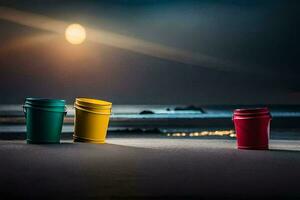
{"x": 191, "y": 107}
{"x": 146, "y": 112}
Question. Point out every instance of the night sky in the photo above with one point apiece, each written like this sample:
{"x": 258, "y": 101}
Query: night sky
{"x": 261, "y": 37}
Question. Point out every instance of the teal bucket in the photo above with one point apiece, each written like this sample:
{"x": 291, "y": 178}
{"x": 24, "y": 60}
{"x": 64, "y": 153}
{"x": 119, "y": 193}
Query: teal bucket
{"x": 44, "y": 120}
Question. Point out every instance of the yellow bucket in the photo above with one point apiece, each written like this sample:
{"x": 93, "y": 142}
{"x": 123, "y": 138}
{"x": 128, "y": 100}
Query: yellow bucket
{"x": 91, "y": 120}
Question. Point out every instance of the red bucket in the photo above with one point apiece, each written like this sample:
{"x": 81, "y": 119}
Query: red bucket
{"x": 252, "y": 128}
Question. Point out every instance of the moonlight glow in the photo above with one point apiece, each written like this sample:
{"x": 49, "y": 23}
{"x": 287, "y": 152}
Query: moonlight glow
{"x": 75, "y": 34}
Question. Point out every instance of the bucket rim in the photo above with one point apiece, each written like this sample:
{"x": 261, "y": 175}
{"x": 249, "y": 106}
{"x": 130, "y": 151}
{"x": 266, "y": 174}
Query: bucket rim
{"x": 245, "y": 117}
{"x": 89, "y": 140}
{"x": 45, "y": 102}
{"x": 259, "y": 147}
{"x": 38, "y": 141}
{"x": 251, "y": 111}
{"x": 93, "y": 110}
{"x": 61, "y": 109}
{"x": 92, "y": 103}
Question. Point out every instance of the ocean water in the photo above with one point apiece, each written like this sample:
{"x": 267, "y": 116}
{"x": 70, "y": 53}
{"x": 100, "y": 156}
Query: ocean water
{"x": 170, "y": 111}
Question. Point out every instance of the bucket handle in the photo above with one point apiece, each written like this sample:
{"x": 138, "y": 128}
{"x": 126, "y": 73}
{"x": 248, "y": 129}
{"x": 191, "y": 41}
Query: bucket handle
{"x": 92, "y": 111}
{"x": 65, "y": 112}
{"x": 25, "y": 111}
{"x": 269, "y": 116}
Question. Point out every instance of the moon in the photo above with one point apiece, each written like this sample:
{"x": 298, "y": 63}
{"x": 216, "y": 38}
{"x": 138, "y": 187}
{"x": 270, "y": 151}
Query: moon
{"x": 75, "y": 34}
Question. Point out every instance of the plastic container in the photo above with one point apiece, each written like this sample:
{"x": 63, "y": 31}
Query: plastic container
{"x": 91, "y": 120}
{"x": 252, "y": 128}
{"x": 44, "y": 120}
